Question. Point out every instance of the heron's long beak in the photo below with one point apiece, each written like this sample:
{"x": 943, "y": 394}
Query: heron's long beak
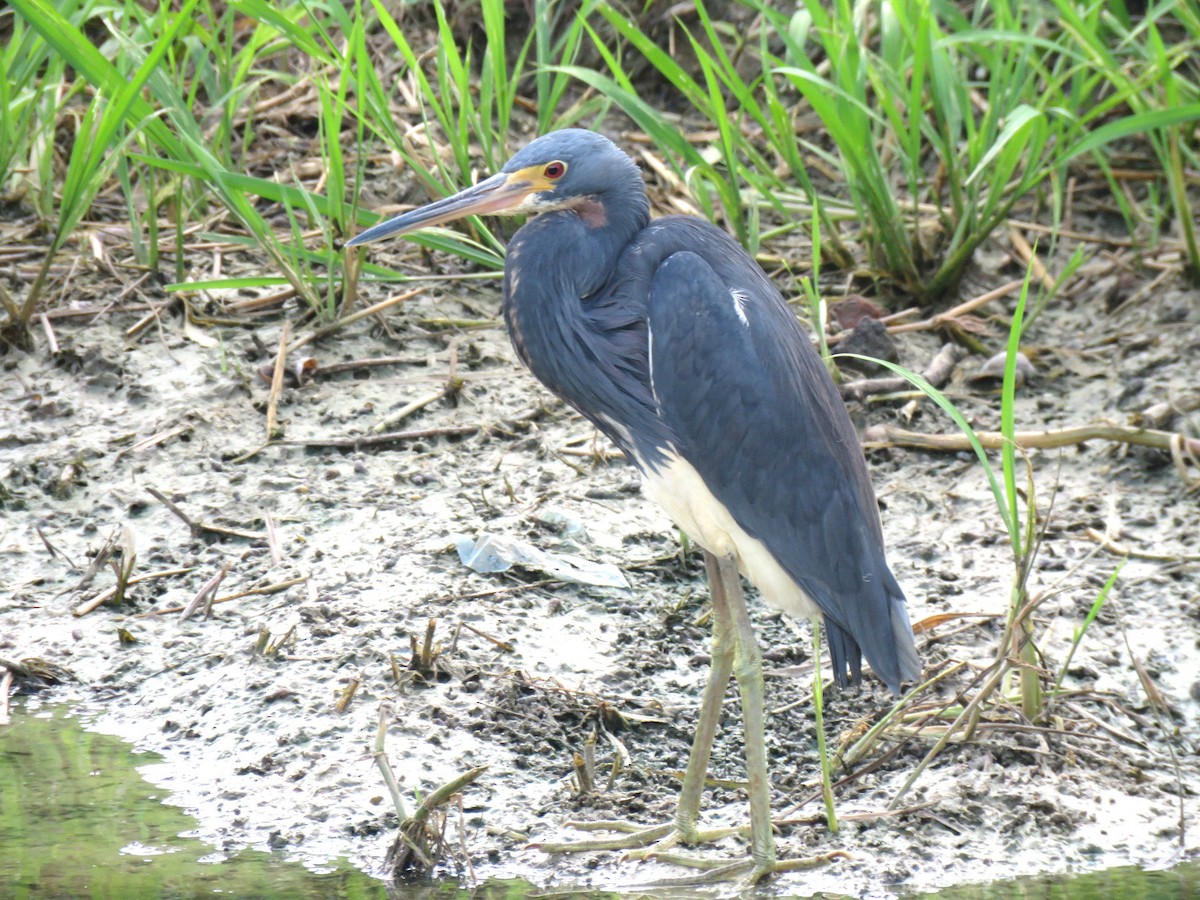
{"x": 504, "y": 192}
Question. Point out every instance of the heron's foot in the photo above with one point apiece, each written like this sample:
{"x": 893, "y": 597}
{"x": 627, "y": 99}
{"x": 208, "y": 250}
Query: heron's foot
{"x": 747, "y": 872}
{"x": 642, "y": 841}
{"x": 658, "y": 843}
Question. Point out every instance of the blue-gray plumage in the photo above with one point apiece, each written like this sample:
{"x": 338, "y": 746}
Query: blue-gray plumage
{"x": 746, "y": 401}
{"x": 672, "y": 341}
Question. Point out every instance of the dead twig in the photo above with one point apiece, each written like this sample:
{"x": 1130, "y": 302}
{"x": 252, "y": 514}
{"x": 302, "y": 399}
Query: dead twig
{"x": 1146, "y": 290}
{"x": 889, "y": 436}
{"x": 199, "y": 528}
{"x": 1072, "y": 235}
{"x": 123, "y": 568}
{"x": 503, "y": 645}
{"x": 584, "y": 765}
{"x": 51, "y": 337}
{"x": 154, "y": 315}
{"x": 425, "y": 655}
{"x": 97, "y": 563}
{"x": 381, "y": 761}
{"x": 848, "y": 756}
{"x": 937, "y": 373}
{"x": 1159, "y": 414}
{"x": 858, "y": 817}
{"x": 444, "y": 324}
{"x": 948, "y": 319}
{"x": 332, "y": 327}
{"x": 493, "y": 592}
{"x": 273, "y": 429}
{"x": 1117, "y": 549}
{"x": 1029, "y": 258}
{"x": 353, "y": 365}
{"x": 416, "y": 434}
{"x": 51, "y": 549}
{"x": 415, "y": 849}
{"x": 346, "y": 697}
{"x": 252, "y": 592}
{"x": 206, "y": 592}
{"x": 449, "y": 389}
{"x": 372, "y": 440}
{"x": 155, "y": 439}
{"x": 88, "y": 605}
{"x": 965, "y": 722}
{"x": 273, "y": 540}
{"x": 268, "y": 646}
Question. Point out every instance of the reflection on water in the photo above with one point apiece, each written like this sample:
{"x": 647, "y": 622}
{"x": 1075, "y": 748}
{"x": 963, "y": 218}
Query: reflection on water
{"x": 1114, "y": 884}
{"x": 77, "y": 820}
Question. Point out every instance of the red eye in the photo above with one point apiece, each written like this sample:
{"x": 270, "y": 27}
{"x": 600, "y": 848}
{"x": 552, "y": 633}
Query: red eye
{"x": 555, "y": 170}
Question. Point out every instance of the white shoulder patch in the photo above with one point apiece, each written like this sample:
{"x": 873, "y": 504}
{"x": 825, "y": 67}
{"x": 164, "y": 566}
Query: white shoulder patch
{"x": 739, "y": 304}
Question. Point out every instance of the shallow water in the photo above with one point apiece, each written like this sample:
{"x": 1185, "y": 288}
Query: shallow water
{"x": 77, "y": 819}
{"x": 1127, "y": 883}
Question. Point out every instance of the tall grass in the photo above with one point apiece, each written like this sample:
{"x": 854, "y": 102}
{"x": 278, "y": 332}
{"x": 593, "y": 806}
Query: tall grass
{"x": 116, "y": 112}
{"x": 152, "y": 92}
{"x": 937, "y": 124}
{"x": 30, "y": 75}
{"x": 937, "y": 120}
{"x": 1127, "y": 63}
{"x": 1016, "y": 506}
{"x": 719, "y": 96}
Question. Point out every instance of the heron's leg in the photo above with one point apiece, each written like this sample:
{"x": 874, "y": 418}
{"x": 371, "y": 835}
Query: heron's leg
{"x": 657, "y": 839}
{"x": 735, "y": 652}
{"x": 749, "y": 674}
{"x": 687, "y": 814}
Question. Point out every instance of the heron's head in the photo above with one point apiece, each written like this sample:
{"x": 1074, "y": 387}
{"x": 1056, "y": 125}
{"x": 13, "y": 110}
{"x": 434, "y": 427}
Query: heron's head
{"x": 567, "y": 169}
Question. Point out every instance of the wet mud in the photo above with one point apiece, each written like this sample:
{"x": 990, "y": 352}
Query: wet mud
{"x": 265, "y": 711}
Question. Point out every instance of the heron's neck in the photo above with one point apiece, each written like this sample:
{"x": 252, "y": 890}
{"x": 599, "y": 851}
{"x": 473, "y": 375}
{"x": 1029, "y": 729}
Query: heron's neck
{"x": 577, "y": 332}
{"x": 573, "y": 252}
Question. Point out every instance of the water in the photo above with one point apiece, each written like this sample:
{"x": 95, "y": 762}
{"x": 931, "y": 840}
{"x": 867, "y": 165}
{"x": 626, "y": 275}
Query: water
{"x": 78, "y": 820}
{"x": 1114, "y": 884}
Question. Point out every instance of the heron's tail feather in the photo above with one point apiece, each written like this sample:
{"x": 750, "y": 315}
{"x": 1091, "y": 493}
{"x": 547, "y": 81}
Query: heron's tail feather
{"x": 844, "y": 653}
{"x": 891, "y": 653}
{"x": 906, "y": 648}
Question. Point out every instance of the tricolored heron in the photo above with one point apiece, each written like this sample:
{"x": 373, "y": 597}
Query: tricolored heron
{"x": 674, "y": 343}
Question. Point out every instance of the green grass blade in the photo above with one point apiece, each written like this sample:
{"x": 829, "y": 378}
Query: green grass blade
{"x": 943, "y": 402}
{"x": 1008, "y": 392}
{"x": 1018, "y": 123}
{"x": 1139, "y": 123}
{"x": 1093, "y": 611}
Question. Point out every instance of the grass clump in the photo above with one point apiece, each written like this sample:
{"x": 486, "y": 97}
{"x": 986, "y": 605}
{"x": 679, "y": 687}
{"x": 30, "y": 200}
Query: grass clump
{"x": 935, "y": 124}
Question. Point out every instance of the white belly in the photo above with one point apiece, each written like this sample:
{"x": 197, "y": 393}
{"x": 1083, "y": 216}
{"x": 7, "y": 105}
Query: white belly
{"x": 678, "y": 488}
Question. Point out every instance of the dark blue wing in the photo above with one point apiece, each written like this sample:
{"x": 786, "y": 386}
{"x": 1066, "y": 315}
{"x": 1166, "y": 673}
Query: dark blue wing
{"x": 753, "y": 410}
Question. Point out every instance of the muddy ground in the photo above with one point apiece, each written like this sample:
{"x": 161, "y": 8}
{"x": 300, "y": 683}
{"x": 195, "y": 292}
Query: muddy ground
{"x": 256, "y": 748}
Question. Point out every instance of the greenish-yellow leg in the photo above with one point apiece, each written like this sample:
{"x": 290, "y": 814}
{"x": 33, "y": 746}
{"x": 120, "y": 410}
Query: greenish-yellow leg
{"x": 734, "y": 653}
{"x": 748, "y": 671}
{"x": 687, "y": 814}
